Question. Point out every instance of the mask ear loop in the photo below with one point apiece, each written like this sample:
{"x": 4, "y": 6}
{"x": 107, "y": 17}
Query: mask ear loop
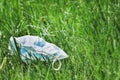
{"x": 60, "y": 64}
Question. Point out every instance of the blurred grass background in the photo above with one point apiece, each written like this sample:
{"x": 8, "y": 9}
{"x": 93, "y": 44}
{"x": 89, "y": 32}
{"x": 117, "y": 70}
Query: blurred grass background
{"x": 87, "y": 30}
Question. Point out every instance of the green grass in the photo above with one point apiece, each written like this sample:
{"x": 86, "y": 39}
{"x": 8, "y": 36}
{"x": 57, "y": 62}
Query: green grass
{"x": 87, "y": 30}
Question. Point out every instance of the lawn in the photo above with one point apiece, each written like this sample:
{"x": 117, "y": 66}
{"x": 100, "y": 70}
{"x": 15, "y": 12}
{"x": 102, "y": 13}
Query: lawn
{"x": 87, "y": 30}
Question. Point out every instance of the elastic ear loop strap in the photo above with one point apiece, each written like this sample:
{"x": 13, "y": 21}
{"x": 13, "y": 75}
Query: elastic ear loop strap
{"x": 60, "y": 64}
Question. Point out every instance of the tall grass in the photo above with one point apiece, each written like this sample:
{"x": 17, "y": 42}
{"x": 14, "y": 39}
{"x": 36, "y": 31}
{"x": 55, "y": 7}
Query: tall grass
{"x": 88, "y": 31}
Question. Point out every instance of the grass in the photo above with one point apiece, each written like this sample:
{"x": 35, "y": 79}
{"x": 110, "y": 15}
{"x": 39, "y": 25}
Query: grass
{"x": 87, "y": 30}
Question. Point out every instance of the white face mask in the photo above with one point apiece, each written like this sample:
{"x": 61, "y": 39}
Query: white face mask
{"x": 32, "y": 47}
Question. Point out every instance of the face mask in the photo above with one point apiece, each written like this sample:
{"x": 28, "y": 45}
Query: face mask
{"x": 34, "y": 47}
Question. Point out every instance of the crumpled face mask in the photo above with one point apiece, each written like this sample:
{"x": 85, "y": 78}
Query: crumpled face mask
{"x": 34, "y": 47}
